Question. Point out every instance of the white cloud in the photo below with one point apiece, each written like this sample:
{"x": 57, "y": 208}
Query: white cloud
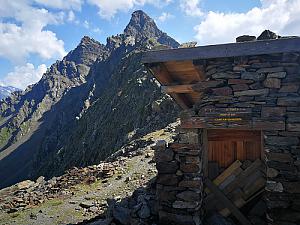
{"x": 25, "y": 34}
{"x": 165, "y": 16}
{"x": 61, "y": 4}
{"x": 22, "y": 76}
{"x": 107, "y": 9}
{"x": 280, "y": 16}
{"x": 191, "y": 7}
{"x": 97, "y": 30}
{"x": 86, "y": 24}
{"x": 71, "y": 16}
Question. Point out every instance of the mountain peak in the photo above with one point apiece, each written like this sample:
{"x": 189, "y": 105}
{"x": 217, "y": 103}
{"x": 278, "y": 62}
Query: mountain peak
{"x": 141, "y": 25}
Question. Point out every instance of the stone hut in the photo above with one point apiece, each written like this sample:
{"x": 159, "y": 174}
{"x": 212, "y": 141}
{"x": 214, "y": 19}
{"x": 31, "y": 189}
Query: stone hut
{"x": 237, "y": 151}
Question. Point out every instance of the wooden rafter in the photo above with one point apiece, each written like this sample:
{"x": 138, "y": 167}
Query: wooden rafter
{"x": 163, "y": 76}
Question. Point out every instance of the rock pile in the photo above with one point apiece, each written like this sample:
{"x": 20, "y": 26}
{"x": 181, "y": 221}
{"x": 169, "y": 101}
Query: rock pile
{"x": 29, "y": 193}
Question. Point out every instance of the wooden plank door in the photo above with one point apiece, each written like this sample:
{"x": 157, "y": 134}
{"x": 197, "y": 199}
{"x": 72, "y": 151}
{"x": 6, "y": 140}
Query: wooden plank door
{"x": 227, "y": 146}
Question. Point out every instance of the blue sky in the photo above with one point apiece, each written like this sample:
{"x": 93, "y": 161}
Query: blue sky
{"x": 36, "y": 33}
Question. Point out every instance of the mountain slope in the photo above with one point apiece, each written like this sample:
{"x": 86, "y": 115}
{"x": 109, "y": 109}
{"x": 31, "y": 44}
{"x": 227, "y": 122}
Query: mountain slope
{"x": 5, "y": 91}
{"x": 85, "y": 107}
{"x": 26, "y": 116}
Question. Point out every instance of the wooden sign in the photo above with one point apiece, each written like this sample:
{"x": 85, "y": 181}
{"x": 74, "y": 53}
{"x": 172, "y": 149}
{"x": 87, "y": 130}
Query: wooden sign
{"x": 219, "y": 115}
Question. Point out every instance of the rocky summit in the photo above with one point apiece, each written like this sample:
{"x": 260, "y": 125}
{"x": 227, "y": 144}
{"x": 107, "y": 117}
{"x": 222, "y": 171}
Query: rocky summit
{"x": 85, "y": 107}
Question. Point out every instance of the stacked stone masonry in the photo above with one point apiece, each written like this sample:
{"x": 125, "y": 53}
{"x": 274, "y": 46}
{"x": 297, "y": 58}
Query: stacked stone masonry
{"x": 179, "y": 180}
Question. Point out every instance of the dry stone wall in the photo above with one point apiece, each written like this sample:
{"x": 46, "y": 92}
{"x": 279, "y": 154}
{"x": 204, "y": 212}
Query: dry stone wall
{"x": 179, "y": 179}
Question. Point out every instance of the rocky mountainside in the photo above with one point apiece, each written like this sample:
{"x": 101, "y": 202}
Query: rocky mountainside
{"x": 85, "y": 107}
{"x": 5, "y": 91}
{"x": 93, "y": 192}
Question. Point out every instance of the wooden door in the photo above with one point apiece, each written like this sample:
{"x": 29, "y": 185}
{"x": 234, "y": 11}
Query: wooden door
{"x": 227, "y": 146}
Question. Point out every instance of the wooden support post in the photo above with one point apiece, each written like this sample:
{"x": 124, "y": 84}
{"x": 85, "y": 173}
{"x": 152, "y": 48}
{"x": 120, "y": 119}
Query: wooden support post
{"x": 227, "y": 203}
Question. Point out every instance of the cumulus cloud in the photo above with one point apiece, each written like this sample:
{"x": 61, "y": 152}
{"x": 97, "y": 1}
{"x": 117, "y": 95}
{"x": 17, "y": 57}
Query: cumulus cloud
{"x": 107, "y": 9}
{"x": 280, "y": 16}
{"x": 24, "y": 32}
{"x": 165, "y": 16}
{"x": 191, "y": 7}
{"x": 61, "y": 4}
{"x": 22, "y": 76}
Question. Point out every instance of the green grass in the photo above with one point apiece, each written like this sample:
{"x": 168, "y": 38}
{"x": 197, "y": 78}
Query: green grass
{"x": 4, "y": 135}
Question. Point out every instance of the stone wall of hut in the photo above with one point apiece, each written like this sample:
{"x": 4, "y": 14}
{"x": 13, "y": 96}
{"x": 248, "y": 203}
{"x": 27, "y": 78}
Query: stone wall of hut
{"x": 268, "y": 86}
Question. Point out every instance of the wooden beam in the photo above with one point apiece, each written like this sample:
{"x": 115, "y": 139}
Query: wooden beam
{"x": 198, "y": 87}
{"x": 185, "y": 88}
{"x": 226, "y": 202}
{"x": 224, "y": 50}
{"x": 163, "y": 76}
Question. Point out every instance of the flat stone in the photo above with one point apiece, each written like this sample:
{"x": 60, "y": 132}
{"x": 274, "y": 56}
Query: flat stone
{"x": 282, "y": 141}
{"x": 240, "y": 87}
{"x": 224, "y": 75}
{"x": 185, "y": 205}
{"x": 273, "y": 111}
{"x": 165, "y": 155}
{"x": 25, "y": 184}
{"x": 167, "y": 179}
{"x": 192, "y": 159}
{"x": 288, "y": 101}
{"x": 274, "y": 186}
{"x": 271, "y": 70}
{"x": 292, "y": 88}
{"x": 224, "y": 91}
{"x": 252, "y": 92}
{"x": 279, "y": 157}
{"x": 293, "y": 127}
{"x": 277, "y": 75}
{"x": 239, "y": 81}
{"x": 189, "y": 167}
{"x": 190, "y": 184}
{"x": 271, "y": 172}
{"x": 167, "y": 167}
{"x": 292, "y": 187}
{"x": 188, "y": 196}
{"x": 253, "y": 76}
{"x": 272, "y": 83}
{"x": 86, "y": 204}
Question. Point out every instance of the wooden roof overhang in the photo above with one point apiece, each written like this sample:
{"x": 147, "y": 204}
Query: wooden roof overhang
{"x": 181, "y": 72}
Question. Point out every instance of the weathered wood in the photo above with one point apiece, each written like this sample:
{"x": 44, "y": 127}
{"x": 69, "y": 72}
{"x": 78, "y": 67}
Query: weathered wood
{"x": 185, "y": 88}
{"x": 227, "y": 203}
{"x": 162, "y": 75}
{"x": 224, "y": 50}
{"x": 230, "y": 170}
